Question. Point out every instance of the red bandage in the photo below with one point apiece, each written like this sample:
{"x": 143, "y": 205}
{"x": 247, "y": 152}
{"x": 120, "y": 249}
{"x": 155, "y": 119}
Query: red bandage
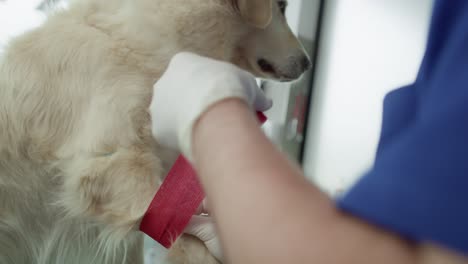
{"x": 176, "y": 201}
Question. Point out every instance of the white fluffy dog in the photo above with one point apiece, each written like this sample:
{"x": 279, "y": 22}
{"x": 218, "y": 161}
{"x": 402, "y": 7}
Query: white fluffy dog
{"x": 78, "y": 164}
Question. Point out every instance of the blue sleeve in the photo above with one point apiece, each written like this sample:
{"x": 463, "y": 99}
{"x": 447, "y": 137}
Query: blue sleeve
{"x": 418, "y": 186}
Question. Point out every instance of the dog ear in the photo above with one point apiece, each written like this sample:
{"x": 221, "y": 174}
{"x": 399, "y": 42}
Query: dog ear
{"x": 257, "y": 13}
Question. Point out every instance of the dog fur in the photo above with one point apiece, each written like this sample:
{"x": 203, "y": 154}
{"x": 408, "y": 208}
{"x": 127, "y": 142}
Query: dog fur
{"x": 78, "y": 164}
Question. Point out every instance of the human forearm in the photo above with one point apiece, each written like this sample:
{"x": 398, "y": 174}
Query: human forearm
{"x": 267, "y": 212}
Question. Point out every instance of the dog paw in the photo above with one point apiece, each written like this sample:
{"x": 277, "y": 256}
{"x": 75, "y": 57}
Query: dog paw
{"x": 190, "y": 250}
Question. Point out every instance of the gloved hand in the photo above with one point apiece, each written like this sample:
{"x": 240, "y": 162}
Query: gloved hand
{"x": 190, "y": 85}
{"x": 203, "y": 228}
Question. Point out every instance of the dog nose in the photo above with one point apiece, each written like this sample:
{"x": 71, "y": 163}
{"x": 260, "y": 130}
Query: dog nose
{"x": 305, "y": 63}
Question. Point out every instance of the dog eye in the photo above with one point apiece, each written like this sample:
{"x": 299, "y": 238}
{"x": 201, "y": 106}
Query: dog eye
{"x": 282, "y": 6}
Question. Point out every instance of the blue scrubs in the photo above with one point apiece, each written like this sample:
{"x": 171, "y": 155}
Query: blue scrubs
{"x": 418, "y": 186}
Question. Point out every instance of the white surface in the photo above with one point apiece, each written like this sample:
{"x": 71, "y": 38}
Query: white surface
{"x": 368, "y": 48}
{"x": 17, "y": 16}
{"x": 293, "y": 14}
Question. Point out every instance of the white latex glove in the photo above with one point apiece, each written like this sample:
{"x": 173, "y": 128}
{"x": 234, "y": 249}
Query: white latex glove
{"x": 204, "y": 229}
{"x": 190, "y": 85}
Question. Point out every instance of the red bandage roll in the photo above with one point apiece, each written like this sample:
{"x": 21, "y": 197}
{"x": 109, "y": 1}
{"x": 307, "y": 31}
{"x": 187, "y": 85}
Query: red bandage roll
{"x": 176, "y": 201}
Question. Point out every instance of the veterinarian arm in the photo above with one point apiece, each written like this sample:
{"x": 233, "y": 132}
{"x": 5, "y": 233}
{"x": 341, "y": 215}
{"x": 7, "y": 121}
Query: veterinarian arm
{"x": 266, "y": 211}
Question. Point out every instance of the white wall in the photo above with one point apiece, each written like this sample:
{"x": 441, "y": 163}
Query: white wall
{"x": 368, "y": 47}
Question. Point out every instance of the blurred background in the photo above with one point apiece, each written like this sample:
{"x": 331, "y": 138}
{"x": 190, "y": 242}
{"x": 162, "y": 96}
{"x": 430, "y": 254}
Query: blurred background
{"x": 329, "y": 121}
{"x": 362, "y": 49}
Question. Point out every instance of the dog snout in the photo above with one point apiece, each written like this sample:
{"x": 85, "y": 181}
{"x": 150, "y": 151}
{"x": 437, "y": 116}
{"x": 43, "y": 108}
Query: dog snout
{"x": 297, "y": 65}
{"x": 305, "y": 63}
{"x": 300, "y": 64}
{"x": 286, "y": 70}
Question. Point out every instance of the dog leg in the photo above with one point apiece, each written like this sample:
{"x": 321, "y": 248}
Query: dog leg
{"x": 190, "y": 250}
{"x": 113, "y": 190}
{"x": 74, "y": 241}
